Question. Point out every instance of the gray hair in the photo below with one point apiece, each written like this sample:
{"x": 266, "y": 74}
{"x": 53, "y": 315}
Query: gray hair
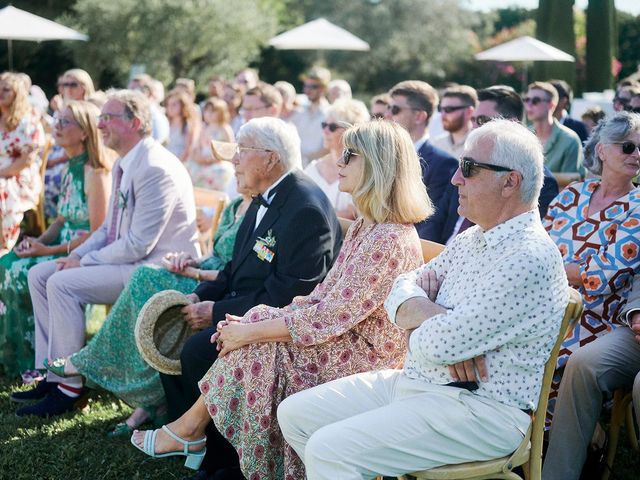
{"x": 136, "y": 105}
{"x": 274, "y": 134}
{"x": 517, "y": 148}
{"x": 611, "y": 129}
{"x": 349, "y": 111}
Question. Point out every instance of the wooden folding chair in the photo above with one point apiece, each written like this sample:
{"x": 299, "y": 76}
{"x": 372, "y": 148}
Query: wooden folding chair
{"x": 34, "y": 218}
{"x": 528, "y": 455}
{"x": 622, "y": 412}
{"x": 216, "y": 200}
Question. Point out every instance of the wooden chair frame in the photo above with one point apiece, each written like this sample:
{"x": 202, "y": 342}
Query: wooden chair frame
{"x": 211, "y": 199}
{"x": 622, "y": 412}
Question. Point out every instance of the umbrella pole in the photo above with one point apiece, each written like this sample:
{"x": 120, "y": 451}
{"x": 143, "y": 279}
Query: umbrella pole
{"x": 525, "y": 77}
{"x": 10, "y": 54}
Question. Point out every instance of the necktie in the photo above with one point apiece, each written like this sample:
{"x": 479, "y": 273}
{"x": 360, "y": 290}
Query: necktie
{"x": 115, "y": 207}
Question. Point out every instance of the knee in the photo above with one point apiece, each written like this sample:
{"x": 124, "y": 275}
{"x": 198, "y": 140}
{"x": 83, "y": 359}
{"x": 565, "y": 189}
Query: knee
{"x": 287, "y": 417}
{"x": 197, "y": 352}
{"x": 322, "y": 448}
{"x": 38, "y": 275}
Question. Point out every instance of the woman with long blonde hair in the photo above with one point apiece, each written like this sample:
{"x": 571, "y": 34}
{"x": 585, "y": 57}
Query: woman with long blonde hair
{"x": 184, "y": 124}
{"x": 86, "y": 184}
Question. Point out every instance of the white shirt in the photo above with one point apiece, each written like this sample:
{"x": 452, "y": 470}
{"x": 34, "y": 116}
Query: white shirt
{"x": 339, "y": 200}
{"x": 262, "y": 210}
{"x": 308, "y": 122}
{"x": 445, "y": 142}
{"x": 505, "y": 291}
{"x": 421, "y": 141}
{"x": 125, "y": 163}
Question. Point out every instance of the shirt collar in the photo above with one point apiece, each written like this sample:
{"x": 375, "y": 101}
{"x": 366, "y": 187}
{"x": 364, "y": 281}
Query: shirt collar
{"x": 513, "y": 226}
{"x": 555, "y": 133}
{"x": 421, "y": 141}
{"x": 265, "y": 194}
{"x": 125, "y": 162}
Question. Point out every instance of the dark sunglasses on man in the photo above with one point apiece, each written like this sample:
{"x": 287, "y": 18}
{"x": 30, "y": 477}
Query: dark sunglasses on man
{"x": 481, "y": 119}
{"x": 451, "y": 108}
{"x": 331, "y": 126}
{"x": 534, "y": 100}
{"x": 467, "y": 164}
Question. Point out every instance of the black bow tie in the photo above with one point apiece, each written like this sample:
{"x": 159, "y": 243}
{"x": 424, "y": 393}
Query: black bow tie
{"x": 259, "y": 200}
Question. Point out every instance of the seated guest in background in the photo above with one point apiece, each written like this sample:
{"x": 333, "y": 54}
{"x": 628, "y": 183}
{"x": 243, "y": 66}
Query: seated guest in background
{"x": 247, "y": 78}
{"x": 379, "y": 105}
{"x": 233, "y": 97}
{"x": 151, "y": 213}
{"x": 598, "y": 368}
{"x": 412, "y": 104}
{"x": 285, "y": 245}
{"x": 591, "y": 117}
{"x": 288, "y": 93}
{"x": 494, "y": 102}
{"x": 338, "y": 329}
{"x": 184, "y": 124}
{"x": 159, "y": 121}
{"x": 263, "y": 100}
{"x": 324, "y": 171}
{"x": 562, "y": 146}
{"x": 634, "y": 104}
{"x": 206, "y": 170}
{"x": 565, "y": 97}
{"x": 623, "y": 96}
{"x": 456, "y": 108}
{"x": 594, "y": 225}
{"x": 86, "y": 181}
{"x": 466, "y": 308}
{"x": 21, "y": 140}
{"x": 131, "y": 378}
{"x": 338, "y": 89}
{"x": 308, "y": 119}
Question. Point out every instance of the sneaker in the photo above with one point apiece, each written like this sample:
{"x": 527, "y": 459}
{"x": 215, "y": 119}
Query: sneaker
{"x": 38, "y": 393}
{"x": 55, "y": 403}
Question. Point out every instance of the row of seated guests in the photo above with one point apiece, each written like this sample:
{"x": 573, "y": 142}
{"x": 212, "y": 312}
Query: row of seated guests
{"x": 633, "y": 151}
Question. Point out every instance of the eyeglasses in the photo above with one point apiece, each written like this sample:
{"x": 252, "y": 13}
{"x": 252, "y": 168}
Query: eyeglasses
{"x": 534, "y": 100}
{"x": 331, "y": 126}
{"x": 467, "y": 164}
{"x": 628, "y": 147}
{"x": 629, "y": 108}
{"x": 246, "y": 109}
{"x": 347, "y": 153}
{"x": 377, "y": 115}
{"x": 64, "y": 122}
{"x": 107, "y": 117}
{"x": 481, "y": 119}
{"x": 69, "y": 84}
{"x": 240, "y": 149}
{"x": 311, "y": 86}
{"x": 396, "y": 109}
{"x": 451, "y": 109}
{"x": 622, "y": 100}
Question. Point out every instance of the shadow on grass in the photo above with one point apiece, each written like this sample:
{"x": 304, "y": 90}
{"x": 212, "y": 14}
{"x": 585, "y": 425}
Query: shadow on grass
{"x": 74, "y": 445}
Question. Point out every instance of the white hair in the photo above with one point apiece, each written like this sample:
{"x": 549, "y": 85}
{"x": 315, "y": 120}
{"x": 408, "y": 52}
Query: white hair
{"x": 348, "y": 111}
{"x": 611, "y": 129}
{"x": 517, "y": 148}
{"x": 342, "y": 86}
{"x": 274, "y": 134}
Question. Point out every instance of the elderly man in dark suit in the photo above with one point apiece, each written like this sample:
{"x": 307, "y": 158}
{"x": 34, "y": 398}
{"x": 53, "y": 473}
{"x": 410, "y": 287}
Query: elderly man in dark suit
{"x": 412, "y": 105}
{"x": 284, "y": 247}
{"x": 493, "y": 102}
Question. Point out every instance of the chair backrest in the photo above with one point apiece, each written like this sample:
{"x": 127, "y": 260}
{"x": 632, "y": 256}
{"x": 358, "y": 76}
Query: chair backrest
{"x": 429, "y": 249}
{"x": 572, "y": 314}
{"x": 211, "y": 199}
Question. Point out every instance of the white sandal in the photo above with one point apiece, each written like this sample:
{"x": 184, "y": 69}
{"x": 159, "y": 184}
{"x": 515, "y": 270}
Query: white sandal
{"x": 194, "y": 459}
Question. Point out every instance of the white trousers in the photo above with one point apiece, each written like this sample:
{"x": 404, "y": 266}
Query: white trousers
{"x": 384, "y": 423}
{"x": 58, "y": 304}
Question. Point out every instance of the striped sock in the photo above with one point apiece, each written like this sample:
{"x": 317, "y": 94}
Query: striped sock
{"x": 72, "y": 391}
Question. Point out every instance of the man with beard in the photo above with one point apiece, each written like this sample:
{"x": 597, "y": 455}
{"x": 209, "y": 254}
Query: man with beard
{"x": 456, "y": 107}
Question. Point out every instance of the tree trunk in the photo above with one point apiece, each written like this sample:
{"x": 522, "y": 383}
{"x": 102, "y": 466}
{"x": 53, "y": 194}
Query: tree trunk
{"x": 555, "y": 26}
{"x": 601, "y": 44}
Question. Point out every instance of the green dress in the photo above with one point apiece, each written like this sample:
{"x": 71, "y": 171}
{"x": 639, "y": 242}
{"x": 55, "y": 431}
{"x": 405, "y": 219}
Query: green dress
{"x": 16, "y": 312}
{"x": 111, "y": 359}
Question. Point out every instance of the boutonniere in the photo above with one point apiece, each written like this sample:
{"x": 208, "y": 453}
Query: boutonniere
{"x": 264, "y": 245}
{"x": 123, "y": 199}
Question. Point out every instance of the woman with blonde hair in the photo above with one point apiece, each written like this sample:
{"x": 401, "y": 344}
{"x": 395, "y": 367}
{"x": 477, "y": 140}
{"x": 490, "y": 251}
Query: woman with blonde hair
{"x": 324, "y": 171}
{"x": 21, "y": 139}
{"x": 76, "y": 84}
{"x": 338, "y": 329}
{"x": 82, "y": 207}
{"x": 205, "y": 169}
{"x": 184, "y": 124}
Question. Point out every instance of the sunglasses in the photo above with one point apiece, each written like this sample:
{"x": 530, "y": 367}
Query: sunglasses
{"x": 331, "y": 126}
{"x": 64, "y": 123}
{"x": 310, "y": 86}
{"x": 377, "y": 115}
{"x": 69, "y": 84}
{"x": 396, "y": 109}
{"x": 467, "y": 164}
{"x": 629, "y": 108}
{"x": 534, "y": 100}
{"x": 481, "y": 119}
{"x": 451, "y": 109}
{"x": 628, "y": 147}
{"x": 347, "y": 153}
{"x": 622, "y": 100}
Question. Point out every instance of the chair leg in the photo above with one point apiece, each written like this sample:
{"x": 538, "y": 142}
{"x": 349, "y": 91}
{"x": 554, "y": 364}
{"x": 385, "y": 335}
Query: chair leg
{"x": 618, "y": 414}
{"x": 526, "y": 468}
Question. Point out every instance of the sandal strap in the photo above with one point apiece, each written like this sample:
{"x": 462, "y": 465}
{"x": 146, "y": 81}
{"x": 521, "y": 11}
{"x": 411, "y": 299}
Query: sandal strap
{"x": 185, "y": 443}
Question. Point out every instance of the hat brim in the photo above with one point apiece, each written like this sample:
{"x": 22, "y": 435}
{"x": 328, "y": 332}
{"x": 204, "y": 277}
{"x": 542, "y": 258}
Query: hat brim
{"x": 160, "y": 321}
{"x": 223, "y": 150}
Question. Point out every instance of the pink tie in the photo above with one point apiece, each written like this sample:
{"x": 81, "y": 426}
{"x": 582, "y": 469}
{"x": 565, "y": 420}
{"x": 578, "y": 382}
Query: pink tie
{"x": 115, "y": 207}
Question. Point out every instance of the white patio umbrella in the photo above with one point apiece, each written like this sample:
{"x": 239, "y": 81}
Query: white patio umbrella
{"x": 16, "y": 24}
{"x": 524, "y": 49}
{"x": 318, "y": 34}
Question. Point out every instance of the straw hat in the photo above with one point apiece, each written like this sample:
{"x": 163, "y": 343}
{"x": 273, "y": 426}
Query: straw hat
{"x": 161, "y": 331}
{"x": 223, "y": 150}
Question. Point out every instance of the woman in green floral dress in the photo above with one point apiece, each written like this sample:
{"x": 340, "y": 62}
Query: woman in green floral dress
{"x": 82, "y": 207}
{"x": 130, "y": 378}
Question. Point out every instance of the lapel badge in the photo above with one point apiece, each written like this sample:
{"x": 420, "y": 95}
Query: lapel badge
{"x": 262, "y": 245}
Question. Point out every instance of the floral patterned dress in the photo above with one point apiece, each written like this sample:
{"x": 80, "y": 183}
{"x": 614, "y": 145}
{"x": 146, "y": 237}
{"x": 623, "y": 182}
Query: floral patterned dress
{"x": 21, "y": 192}
{"x": 16, "y": 313}
{"x": 606, "y": 245}
{"x": 131, "y": 378}
{"x": 339, "y": 329}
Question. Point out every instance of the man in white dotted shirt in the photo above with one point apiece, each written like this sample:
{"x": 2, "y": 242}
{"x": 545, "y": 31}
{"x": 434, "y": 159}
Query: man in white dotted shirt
{"x": 482, "y": 318}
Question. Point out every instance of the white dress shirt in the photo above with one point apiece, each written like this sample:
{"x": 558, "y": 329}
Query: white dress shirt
{"x": 505, "y": 291}
{"x": 263, "y": 210}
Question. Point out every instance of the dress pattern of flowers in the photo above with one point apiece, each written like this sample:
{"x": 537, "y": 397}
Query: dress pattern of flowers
{"x": 606, "y": 246}
{"x": 339, "y": 329}
{"x": 16, "y": 313}
{"x": 19, "y": 193}
{"x": 131, "y": 378}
